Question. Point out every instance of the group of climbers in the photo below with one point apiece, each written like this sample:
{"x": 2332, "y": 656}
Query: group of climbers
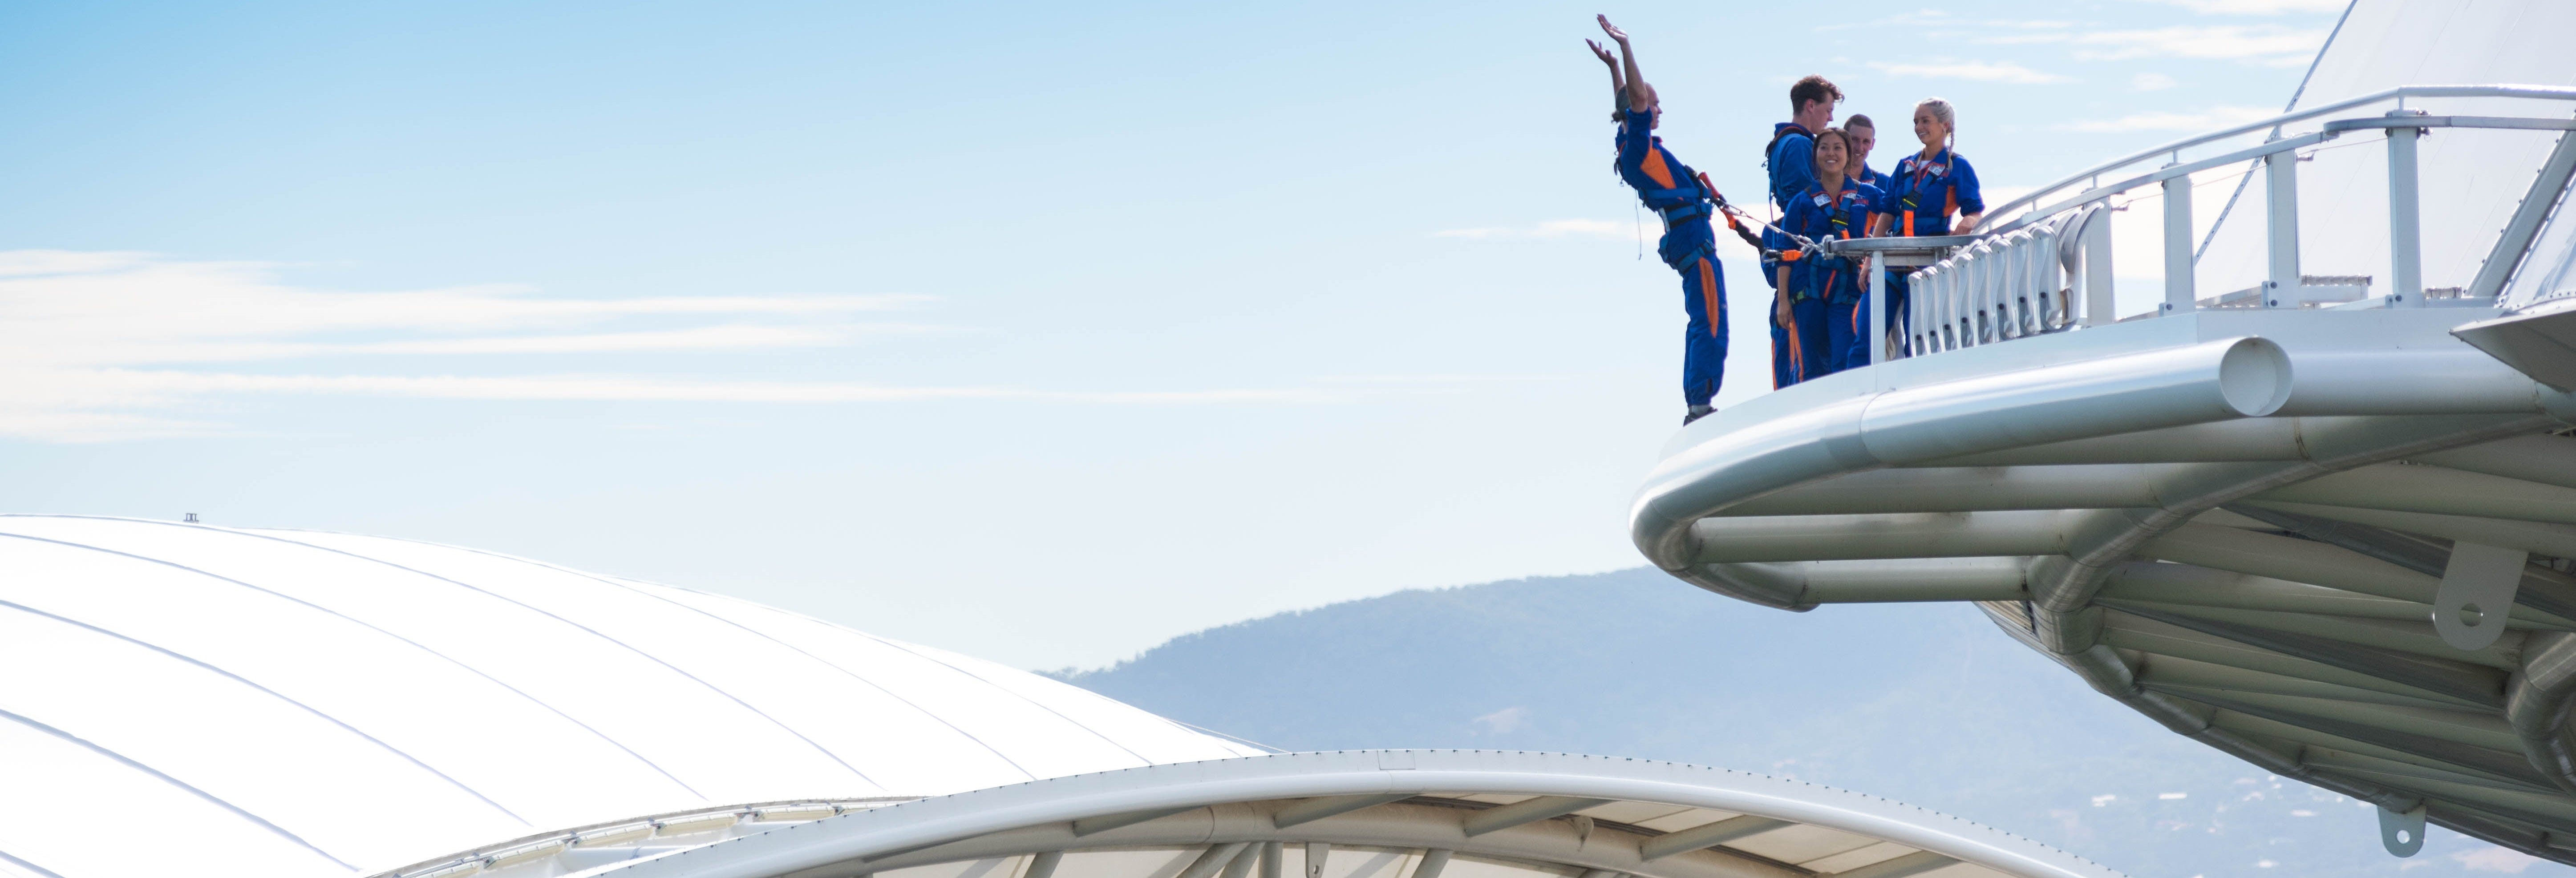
{"x": 1821, "y": 188}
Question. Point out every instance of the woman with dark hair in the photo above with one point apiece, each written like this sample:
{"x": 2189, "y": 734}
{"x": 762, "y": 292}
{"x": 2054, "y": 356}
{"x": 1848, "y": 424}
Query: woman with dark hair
{"x": 1817, "y": 292}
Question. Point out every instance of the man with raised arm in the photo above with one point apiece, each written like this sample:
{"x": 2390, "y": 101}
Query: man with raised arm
{"x": 1676, "y": 194}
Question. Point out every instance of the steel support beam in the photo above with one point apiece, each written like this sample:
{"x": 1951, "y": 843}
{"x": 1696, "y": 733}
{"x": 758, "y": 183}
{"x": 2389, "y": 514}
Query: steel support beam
{"x": 1907, "y": 866}
{"x": 2510, "y": 247}
{"x": 1215, "y": 858}
{"x": 1901, "y": 535}
{"x": 1106, "y": 822}
{"x": 2439, "y": 490}
{"x": 2405, "y": 219}
{"x": 2281, "y": 228}
{"x": 2179, "y": 295}
{"x": 1530, "y": 811}
{"x": 1434, "y": 861}
{"x": 1317, "y": 809}
{"x": 1707, "y": 835}
{"x": 2554, "y": 540}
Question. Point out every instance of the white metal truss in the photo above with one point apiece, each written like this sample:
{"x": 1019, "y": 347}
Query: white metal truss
{"x": 1346, "y": 814}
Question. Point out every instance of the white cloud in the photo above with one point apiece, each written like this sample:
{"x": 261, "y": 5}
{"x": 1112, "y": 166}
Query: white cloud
{"x": 2495, "y": 859}
{"x": 1974, "y": 71}
{"x": 2151, "y": 82}
{"x": 110, "y": 345}
{"x": 1563, "y": 228}
{"x": 1503, "y": 721}
{"x": 2256, "y": 7}
{"x": 2260, "y": 44}
{"x": 2166, "y": 120}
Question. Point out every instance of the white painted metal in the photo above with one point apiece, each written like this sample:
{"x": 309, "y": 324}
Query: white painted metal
{"x": 2477, "y": 588}
{"x": 2180, "y": 291}
{"x": 2270, "y": 584}
{"x": 2405, "y": 217}
{"x": 2281, "y": 222}
{"x": 1235, "y": 801}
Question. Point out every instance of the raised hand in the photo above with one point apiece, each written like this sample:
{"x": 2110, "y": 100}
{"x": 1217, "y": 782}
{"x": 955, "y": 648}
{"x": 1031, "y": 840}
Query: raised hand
{"x": 1603, "y": 54}
{"x": 1613, "y": 30}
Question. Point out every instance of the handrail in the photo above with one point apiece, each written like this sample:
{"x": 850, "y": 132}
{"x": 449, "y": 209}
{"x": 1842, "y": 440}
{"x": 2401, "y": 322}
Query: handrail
{"x": 2540, "y": 92}
{"x": 2048, "y": 267}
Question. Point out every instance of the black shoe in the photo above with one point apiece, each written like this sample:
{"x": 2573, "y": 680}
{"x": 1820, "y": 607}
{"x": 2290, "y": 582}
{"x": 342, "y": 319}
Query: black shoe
{"x": 1697, "y": 412}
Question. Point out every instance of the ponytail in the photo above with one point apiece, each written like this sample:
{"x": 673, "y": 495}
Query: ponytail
{"x": 1949, "y": 117}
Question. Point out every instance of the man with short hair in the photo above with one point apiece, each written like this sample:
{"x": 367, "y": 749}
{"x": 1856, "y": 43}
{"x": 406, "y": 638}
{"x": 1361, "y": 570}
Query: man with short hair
{"x": 1863, "y": 134}
{"x": 1790, "y": 161}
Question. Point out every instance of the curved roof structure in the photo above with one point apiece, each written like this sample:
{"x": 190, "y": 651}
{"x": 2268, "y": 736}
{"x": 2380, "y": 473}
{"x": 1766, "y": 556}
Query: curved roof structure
{"x": 1349, "y": 814}
{"x": 302, "y": 703}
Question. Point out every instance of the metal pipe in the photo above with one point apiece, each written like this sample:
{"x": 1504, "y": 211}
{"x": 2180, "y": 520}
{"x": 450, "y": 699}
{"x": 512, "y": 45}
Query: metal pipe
{"x": 2289, "y": 559}
{"x": 2543, "y": 458}
{"x": 2281, "y": 226}
{"x": 2536, "y": 705}
{"x": 2210, "y": 381}
{"x": 2554, "y": 540}
{"x": 1802, "y": 585}
{"x": 2405, "y": 218}
{"x": 2454, "y": 379}
{"x": 2179, "y": 298}
{"x": 2433, "y": 489}
{"x": 2245, "y": 439}
{"x": 1967, "y": 489}
{"x": 1898, "y": 535}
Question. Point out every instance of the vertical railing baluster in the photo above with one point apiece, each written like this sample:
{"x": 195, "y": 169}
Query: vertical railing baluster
{"x": 2179, "y": 297}
{"x": 2101, "y": 308}
{"x": 2405, "y": 218}
{"x": 2281, "y": 227}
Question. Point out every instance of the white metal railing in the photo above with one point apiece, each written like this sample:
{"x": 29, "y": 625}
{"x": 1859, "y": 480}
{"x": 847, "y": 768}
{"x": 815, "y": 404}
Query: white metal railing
{"x": 2044, "y": 269}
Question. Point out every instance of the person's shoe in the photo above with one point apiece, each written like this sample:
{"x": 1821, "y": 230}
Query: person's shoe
{"x": 1697, "y": 412}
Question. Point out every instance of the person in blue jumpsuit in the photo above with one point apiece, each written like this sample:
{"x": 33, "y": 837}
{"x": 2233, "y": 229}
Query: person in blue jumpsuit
{"x": 1789, "y": 160}
{"x": 1926, "y": 188}
{"x": 1862, "y": 134}
{"x": 1818, "y": 293}
{"x": 1689, "y": 245}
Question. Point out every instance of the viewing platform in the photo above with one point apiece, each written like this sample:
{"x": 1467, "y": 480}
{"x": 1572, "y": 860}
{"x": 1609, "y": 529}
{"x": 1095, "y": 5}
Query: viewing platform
{"x": 2294, "y": 482}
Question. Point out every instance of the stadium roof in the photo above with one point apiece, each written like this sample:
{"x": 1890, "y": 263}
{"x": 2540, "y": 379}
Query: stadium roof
{"x": 301, "y": 703}
{"x": 1348, "y": 814}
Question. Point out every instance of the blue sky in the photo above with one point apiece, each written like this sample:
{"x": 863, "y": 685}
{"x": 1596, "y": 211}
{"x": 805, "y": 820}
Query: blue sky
{"x": 1038, "y": 332}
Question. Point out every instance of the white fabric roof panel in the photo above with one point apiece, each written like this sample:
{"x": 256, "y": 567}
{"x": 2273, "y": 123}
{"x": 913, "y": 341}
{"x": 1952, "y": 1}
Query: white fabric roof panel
{"x": 298, "y": 703}
{"x": 2471, "y": 180}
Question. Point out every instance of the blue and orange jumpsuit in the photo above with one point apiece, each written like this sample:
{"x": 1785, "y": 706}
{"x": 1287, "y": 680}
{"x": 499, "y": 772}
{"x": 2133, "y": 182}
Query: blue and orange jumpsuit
{"x": 1790, "y": 160}
{"x": 1689, "y": 245}
{"x": 1823, "y": 290}
{"x": 1921, "y": 195}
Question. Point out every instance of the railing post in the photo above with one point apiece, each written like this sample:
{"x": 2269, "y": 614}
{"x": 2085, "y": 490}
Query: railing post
{"x": 2281, "y": 223}
{"x": 2405, "y": 218}
{"x": 2100, "y": 309}
{"x": 1876, "y": 316}
{"x": 2179, "y": 298}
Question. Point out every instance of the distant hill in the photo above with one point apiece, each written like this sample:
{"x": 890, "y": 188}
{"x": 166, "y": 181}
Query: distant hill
{"x": 1925, "y": 704}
